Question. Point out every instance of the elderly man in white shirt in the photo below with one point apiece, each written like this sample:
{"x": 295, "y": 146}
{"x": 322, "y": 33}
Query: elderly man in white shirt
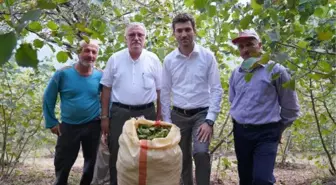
{"x": 191, "y": 76}
{"x": 132, "y": 82}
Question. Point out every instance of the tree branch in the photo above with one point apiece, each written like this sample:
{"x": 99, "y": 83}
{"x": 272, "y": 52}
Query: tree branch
{"x": 326, "y": 107}
{"x": 65, "y": 19}
{"x": 309, "y": 70}
{"x": 224, "y": 124}
{"x": 69, "y": 22}
{"x": 297, "y": 47}
{"x": 118, "y": 17}
{"x": 141, "y": 3}
{"x": 50, "y": 40}
{"x": 221, "y": 142}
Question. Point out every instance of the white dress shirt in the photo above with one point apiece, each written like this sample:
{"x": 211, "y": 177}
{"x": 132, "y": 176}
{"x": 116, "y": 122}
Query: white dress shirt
{"x": 133, "y": 82}
{"x": 193, "y": 81}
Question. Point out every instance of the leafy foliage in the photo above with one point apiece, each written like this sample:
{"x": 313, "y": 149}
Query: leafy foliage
{"x": 151, "y": 132}
{"x": 20, "y": 113}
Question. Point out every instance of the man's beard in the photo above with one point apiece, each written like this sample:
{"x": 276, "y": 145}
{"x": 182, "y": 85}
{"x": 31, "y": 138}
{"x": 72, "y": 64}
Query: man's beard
{"x": 86, "y": 64}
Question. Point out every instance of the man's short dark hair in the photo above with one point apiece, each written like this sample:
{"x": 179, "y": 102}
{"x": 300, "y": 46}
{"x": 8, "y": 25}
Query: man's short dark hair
{"x": 183, "y": 18}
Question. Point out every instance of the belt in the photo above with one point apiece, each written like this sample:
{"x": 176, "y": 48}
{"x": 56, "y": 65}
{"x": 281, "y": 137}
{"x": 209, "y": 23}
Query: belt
{"x": 257, "y": 126}
{"x": 190, "y": 112}
{"x": 133, "y": 107}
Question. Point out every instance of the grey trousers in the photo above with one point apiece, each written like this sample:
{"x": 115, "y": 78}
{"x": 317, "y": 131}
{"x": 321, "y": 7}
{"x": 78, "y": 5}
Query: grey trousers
{"x": 118, "y": 117}
{"x": 101, "y": 172}
{"x": 192, "y": 148}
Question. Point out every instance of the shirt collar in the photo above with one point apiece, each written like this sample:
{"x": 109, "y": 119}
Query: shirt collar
{"x": 196, "y": 50}
{"x": 140, "y": 57}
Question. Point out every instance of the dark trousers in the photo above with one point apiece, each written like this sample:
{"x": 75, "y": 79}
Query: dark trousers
{"x": 192, "y": 148}
{"x": 67, "y": 149}
{"x": 256, "y": 150}
{"x": 118, "y": 117}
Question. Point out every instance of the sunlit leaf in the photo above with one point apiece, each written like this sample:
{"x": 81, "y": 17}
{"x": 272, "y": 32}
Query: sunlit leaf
{"x": 271, "y": 66}
{"x": 325, "y": 66}
{"x": 143, "y": 10}
{"x": 62, "y": 1}
{"x": 289, "y": 84}
{"x": 212, "y": 11}
{"x": 302, "y": 44}
{"x": 189, "y": 3}
{"x": 248, "y": 77}
{"x": 315, "y": 76}
{"x": 52, "y": 25}
{"x": 199, "y": 4}
{"x": 256, "y": 6}
{"x": 32, "y": 15}
{"x": 319, "y": 12}
{"x": 62, "y": 56}
{"x": 325, "y": 35}
{"x": 70, "y": 38}
{"x": 43, "y": 4}
{"x": 246, "y": 21}
{"x": 35, "y": 26}
{"x": 201, "y": 33}
{"x": 264, "y": 58}
{"x": 117, "y": 11}
{"x": 275, "y": 76}
{"x": 38, "y": 43}
{"x": 138, "y": 18}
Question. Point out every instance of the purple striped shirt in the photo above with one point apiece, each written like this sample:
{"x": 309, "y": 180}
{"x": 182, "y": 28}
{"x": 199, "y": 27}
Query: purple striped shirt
{"x": 262, "y": 100}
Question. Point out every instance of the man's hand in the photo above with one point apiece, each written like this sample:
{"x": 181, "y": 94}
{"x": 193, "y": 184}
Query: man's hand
{"x": 104, "y": 140}
{"x": 104, "y": 123}
{"x": 282, "y": 130}
{"x": 204, "y": 133}
{"x": 56, "y": 130}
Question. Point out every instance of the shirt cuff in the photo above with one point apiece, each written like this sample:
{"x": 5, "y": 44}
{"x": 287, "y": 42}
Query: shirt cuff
{"x": 49, "y": 126}
{"x": 211, "y": 116}
{"x": 288, "y": 124}
{"x": 105, "y": 84}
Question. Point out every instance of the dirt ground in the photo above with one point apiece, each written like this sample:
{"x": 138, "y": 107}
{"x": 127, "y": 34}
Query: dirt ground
{"x": 40, "y": 171}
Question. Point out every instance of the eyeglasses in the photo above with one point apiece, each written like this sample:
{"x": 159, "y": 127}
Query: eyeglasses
{"x": 133, "y": 35}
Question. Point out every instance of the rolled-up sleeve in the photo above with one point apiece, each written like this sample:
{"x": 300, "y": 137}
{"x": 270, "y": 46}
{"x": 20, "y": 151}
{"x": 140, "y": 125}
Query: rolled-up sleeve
{"x": 288, "y": 99}
{"x": 107, "y": 77}
{"x": 216, "y": 90}
{"x": 165, "y": 94}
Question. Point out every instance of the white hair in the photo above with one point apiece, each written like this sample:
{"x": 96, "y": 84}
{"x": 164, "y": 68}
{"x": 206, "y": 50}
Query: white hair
{"x": 93, "y": 42}
{"x": 135, "y": 24}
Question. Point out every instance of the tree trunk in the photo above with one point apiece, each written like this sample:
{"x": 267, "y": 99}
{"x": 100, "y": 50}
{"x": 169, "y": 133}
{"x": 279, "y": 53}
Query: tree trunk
{"x": 332, "y": 166}
{"x": 286, "y": 149}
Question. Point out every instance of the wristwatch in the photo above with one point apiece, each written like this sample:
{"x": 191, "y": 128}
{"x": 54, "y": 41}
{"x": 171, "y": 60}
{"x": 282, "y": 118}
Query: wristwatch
{"x": 209, "y": 122}
{"x": 104, "y": 117}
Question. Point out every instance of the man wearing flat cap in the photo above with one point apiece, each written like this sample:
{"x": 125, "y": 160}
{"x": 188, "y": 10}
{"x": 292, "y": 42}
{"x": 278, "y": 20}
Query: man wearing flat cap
{"x": 261, "y": 109}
